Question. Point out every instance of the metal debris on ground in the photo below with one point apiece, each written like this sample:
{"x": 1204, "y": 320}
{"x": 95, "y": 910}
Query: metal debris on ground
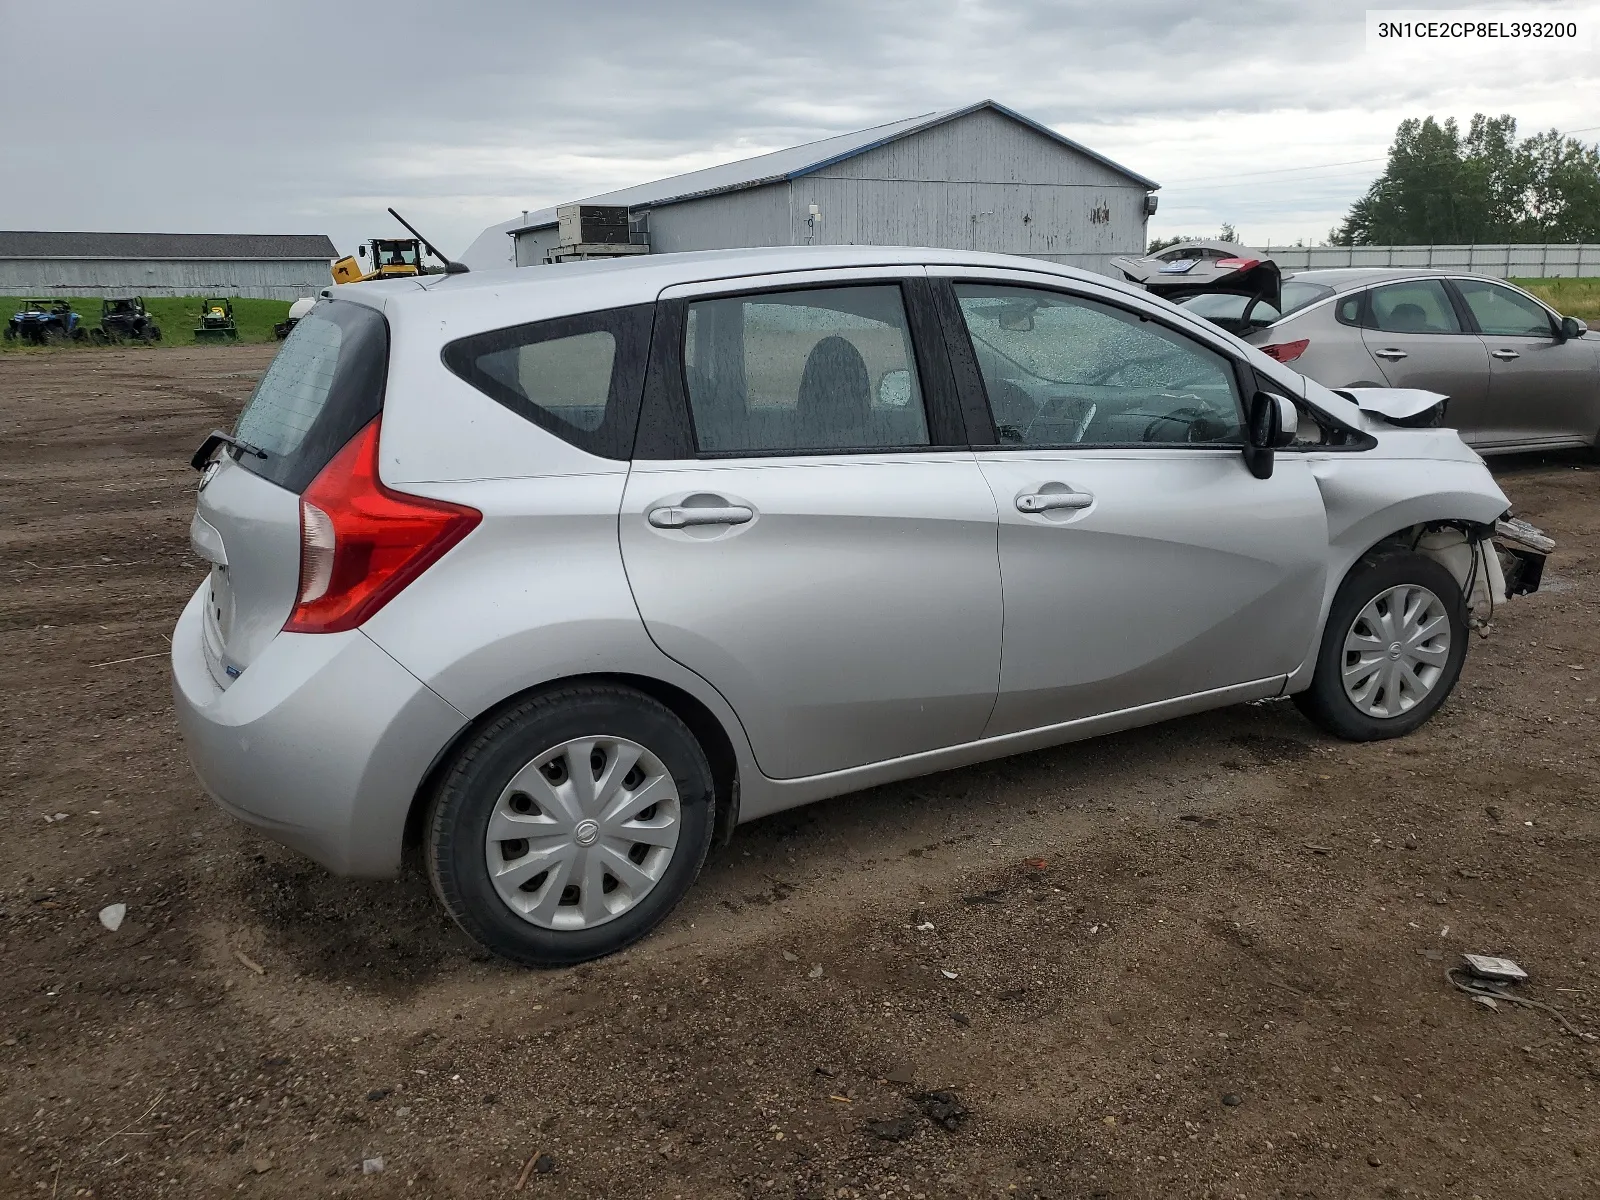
{"x": 1489, "y": 980}
{"x": 1486, "y": 966}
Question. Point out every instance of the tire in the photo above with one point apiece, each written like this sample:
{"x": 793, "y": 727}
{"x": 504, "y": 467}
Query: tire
{"x": 559, "y": 921}
{"x": 1349, "y": 712}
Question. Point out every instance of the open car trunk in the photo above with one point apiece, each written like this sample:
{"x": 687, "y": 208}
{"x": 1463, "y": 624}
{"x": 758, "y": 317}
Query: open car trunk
{"x": 1179, "y": 273}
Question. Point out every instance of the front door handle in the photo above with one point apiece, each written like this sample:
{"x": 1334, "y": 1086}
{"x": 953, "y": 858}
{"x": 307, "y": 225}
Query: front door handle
{"x": 1037, "y": 502}
{"x": 1504, "y": 355}
{"x": 1391, "y": 354}
{"x": 676, "y": 516}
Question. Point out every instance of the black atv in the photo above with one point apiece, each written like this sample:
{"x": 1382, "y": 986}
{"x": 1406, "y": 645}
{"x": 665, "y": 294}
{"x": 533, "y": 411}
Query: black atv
{"x": 45, "y": 321}
{"x": 125, "y": 321}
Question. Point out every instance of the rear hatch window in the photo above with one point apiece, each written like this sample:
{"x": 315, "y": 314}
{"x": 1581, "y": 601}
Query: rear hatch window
{"x": 325, "y": 384}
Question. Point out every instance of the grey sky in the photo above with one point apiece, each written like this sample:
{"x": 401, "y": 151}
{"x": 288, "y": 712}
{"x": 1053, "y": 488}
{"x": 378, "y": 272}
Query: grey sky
{"x": 298, "y": 117}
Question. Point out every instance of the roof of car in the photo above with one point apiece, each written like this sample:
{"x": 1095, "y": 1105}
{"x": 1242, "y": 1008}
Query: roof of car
{"x": 640, "y": 278}
{"x": 1344, "y": 279}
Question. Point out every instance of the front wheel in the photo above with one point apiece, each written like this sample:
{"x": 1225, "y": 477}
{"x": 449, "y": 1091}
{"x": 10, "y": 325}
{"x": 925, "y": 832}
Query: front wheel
{"x": 570, "y": 825}
{"x": 1391, "y": 651}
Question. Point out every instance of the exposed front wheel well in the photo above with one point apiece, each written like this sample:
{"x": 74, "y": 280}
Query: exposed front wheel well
{"x": 705, "y": 726}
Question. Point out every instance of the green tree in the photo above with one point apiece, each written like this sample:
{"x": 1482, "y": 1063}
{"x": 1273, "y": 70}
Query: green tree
{"x": 1441, "y": 186}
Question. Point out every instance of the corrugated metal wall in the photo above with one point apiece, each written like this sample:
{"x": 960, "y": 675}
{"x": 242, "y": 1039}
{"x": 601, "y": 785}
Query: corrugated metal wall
{"x": 981, "y": 182}
{"x": 267, "y": 279}
{"x": 1526, "y": 261}
{"x": 753, "y": 217}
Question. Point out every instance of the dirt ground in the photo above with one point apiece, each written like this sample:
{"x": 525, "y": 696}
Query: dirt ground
{"x": 1204, "y": 959}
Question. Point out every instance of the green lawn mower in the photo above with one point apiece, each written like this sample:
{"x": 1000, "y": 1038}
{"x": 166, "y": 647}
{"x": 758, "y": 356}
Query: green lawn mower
{"x": 216, "y": 321}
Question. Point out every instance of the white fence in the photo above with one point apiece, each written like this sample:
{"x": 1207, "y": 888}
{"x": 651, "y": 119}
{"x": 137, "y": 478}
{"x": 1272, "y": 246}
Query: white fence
{"x": 1528, "y": 261}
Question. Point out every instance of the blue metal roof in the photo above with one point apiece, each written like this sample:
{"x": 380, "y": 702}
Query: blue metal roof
{"x": 797, "y": 161}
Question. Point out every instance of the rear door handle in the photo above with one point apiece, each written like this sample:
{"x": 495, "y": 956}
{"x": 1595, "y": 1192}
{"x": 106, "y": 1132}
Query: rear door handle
{"x": 1037, "y": 502}
{"x": 1391, "y": 354}
{"x": 676, "y": 516}
{"x": 1504, "y": 355}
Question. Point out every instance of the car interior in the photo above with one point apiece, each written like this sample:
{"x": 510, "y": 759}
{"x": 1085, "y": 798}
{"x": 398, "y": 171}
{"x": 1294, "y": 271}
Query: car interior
{"x": 1092, "y": 378}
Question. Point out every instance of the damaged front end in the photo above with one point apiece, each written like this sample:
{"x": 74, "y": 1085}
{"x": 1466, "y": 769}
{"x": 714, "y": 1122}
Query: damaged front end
{"x": 1492, "y": 564}
{"x": 1521, "y": 549}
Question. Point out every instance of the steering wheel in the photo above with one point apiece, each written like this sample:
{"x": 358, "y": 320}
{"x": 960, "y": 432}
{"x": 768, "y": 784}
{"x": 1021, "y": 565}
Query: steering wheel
{"x": 1199, "y": 425}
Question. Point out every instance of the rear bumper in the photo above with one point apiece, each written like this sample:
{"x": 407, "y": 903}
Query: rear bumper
{"x": 321, "y": 744}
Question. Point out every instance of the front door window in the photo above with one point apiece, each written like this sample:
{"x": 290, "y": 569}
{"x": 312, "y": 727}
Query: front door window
{"x": 1067, "y": 371}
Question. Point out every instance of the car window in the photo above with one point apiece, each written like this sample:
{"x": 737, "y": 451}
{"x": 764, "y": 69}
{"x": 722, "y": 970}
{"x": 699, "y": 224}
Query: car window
{"x": 1296, "y": 295}
{"x": 1417, "y": 306}
{"x": 1503, "y": 312}
{"x": 568, "y": 377}
{"x": 815, "y": 369}
{"x": 579, "y": 377}
{"x": 1060, "y": 371}
{"x": 326, "y": 382}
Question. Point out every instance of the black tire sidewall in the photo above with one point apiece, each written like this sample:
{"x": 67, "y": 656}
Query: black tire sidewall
{"x": 467, "y": 795}
{"x": 1326, "y": 698}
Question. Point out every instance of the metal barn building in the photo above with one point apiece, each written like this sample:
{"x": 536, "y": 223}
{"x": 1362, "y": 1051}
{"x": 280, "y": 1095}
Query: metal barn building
{"x": 264, "y": 265}
{"x": 977, "y": 178}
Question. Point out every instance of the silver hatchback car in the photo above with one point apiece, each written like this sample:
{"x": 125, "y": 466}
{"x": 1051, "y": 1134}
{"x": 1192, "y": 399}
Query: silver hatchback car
{"x": 561, "y": 573}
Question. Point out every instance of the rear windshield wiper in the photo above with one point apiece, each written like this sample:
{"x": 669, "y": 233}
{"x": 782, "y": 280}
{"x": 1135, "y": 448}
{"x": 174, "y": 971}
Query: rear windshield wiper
{"x": 218, "y": 437}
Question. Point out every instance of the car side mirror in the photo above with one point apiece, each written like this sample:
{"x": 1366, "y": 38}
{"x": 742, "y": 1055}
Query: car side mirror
{"x": 1274, "y": 420}
{"x": 894, "y": 389}
{"x": 1571, "y": 328}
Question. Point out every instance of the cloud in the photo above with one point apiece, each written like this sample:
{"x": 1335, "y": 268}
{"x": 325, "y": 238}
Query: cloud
{"x": 297, "y": 117}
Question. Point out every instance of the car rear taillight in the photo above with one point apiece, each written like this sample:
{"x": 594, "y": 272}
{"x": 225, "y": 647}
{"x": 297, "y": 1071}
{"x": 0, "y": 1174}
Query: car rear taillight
{"x": 1238, "y": 264}
{"x": 1286, "y": 351}
{"x": 361, "y": 543}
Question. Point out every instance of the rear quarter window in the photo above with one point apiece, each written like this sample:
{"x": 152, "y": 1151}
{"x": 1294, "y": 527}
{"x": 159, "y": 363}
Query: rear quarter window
{"x": 325, "y": 384}
{"x": 579, "y": 377}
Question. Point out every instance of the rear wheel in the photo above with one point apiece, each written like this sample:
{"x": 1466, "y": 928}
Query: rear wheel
{"x": 570, "y": 825}
{"x": 1391, "y": 651}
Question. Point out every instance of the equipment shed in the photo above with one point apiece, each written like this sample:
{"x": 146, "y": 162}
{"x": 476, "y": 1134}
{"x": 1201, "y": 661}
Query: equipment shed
{"x": 269, "y": 266}
{"x": 983, "y": 177}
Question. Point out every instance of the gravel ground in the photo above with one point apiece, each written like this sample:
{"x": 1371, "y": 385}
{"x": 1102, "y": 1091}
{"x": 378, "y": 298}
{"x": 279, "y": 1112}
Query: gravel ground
{"x": 1204, "y": 959}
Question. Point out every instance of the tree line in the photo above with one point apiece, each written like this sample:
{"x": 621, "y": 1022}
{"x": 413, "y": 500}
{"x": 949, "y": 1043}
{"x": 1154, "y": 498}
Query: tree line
{"x": 1445, "y": 187}
{"x": 1442, "y": 186}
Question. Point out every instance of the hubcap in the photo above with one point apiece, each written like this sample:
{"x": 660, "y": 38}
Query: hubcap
{"x": 583, "y": 832}
{"x": 1396, "y": 650}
